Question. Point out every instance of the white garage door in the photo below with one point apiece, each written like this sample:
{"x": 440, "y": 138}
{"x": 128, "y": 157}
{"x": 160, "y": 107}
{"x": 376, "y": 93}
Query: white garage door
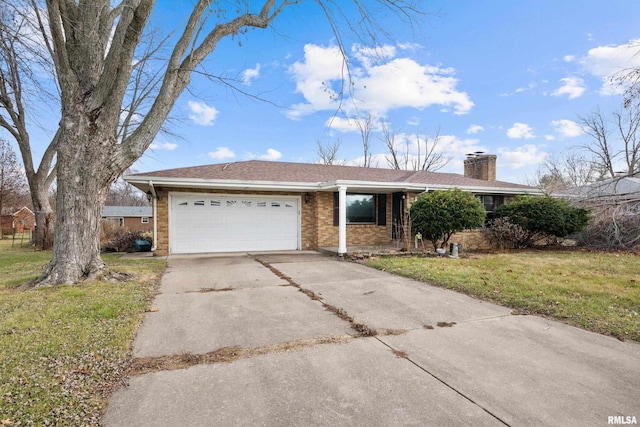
{"x": 232, "y": 223}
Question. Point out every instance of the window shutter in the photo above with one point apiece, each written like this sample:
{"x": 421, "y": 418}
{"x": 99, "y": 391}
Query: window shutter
{"x": 336, "y": 209}
{"x": 382, "y": 209}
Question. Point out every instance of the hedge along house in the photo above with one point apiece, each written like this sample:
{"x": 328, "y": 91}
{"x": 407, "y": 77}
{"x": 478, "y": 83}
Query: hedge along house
{"x": 267, "y": 206}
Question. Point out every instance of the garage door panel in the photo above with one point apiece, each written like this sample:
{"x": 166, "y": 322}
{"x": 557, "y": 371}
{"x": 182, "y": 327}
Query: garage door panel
{"x": 228, "y": 223}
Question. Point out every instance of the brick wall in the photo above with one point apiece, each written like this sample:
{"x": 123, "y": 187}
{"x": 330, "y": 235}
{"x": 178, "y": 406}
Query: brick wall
{"x": 472, "y": 240}
{"x": 135, "y": 224}
{"x": 317, "y": 229}
{"x": 482, "y": 166}
{"x": 357, "y": 234}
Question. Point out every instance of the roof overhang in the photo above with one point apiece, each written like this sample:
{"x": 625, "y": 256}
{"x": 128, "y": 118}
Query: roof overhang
{"x": 148, "y": 183}
{"x": 489, "y": 190}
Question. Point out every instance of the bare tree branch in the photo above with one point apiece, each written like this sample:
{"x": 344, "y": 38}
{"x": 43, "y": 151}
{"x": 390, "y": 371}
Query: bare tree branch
{"x": 328, "y": 153}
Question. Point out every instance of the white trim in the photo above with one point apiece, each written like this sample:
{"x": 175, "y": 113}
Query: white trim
{"x": 342, "y": 219}
{"x": 22, "y": 208}
{"x": 378, "y": 186}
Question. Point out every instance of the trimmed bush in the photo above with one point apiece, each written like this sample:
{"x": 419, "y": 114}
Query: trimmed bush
{"x": 542, "y": 217}
{"x": 438, "y": 215}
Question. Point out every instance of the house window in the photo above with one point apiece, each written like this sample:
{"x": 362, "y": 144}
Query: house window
{"x": 145, "y": 220}
{"x": 490, "y": 203}
{"x": 362, "y": 208}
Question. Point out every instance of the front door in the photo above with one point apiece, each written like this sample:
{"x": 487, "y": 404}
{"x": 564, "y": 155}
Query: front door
{"x": 397, "y": 216}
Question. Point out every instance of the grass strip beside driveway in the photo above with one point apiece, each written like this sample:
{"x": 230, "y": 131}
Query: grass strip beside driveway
{"x": 63, "y": 349}
{"x": 596, "y": 291}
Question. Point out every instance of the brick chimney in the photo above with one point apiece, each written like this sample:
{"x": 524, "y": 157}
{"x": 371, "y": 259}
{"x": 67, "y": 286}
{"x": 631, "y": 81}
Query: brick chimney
{"x": 480, "y": 166}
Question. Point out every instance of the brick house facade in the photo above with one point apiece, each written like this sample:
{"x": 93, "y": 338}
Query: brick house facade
{"x": 132, "y": 218}
{"x": 21, "y": 221}
{"x": 241, "y": 205}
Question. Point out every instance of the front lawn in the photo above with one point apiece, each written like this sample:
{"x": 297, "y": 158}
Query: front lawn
{"x": 596, "y": 291}
{"x": 64, "y": 349}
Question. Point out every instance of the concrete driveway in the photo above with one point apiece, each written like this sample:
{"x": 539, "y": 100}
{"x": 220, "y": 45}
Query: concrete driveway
{"x": 272, "y": 339}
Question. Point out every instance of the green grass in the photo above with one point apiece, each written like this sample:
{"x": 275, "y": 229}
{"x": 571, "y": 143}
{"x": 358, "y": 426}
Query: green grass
{"x": 599, "y": 292}
{"x": 64, "y": 349}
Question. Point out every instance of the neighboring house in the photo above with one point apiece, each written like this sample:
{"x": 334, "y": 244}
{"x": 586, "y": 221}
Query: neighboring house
{"x": 133, "y": 218}
{"x": 261, "y": 206}
{"x": 21, "y": 221}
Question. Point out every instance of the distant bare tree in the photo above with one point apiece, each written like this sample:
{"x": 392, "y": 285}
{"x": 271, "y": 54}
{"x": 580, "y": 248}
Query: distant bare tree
{"x": 614, "y": 142}
{"x": 419, "y": 151}
{"x": 629, "y": 81}
{"x": 627, "y": 122}
{"x": 389, "y": 136}
{"x": 23, "y": 55}
{"x": 328, "y": 152}
{"x": 12, "y": 180}
{"x": 365, "y": 125}
{"x": 562, "y": 171}
{"x": 122, "y": 193}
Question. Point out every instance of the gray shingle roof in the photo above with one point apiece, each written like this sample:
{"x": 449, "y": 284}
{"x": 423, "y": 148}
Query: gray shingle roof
{"x": 266, "y": 171}
{"x": 126, "y": 211}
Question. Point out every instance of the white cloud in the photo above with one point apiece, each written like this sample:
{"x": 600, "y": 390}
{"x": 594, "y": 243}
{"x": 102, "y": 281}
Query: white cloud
{"x": 382, "y": 82}
{"x": 520, "y": 131}
{"x": 250, "y": 74}
{"x": 567, "y": 128}
{"x": 573, "y": 87}
{"x": 413, "y": 121}
{"x": 222, "y": 153}
{"x": 271, "y": 155}
{"x": 133, "y": 120}
{"x": 342, "y": 124}
{"x": 524, "y": 156}
{"x": 314, "y": 77}
{"x": 605, "y": 61}
{"x": 473, "y": 129}
{"x": 167, "y": 146}
{"x": 202, "y": 114}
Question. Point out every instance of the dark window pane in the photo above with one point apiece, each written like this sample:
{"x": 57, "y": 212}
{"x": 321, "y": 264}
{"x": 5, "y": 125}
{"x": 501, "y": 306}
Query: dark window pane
{"x": 361, "y": 209}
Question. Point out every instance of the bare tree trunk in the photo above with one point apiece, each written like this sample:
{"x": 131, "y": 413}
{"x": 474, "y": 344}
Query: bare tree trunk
{"x": 81, "y": 193}
{"x": 45, "y": 219}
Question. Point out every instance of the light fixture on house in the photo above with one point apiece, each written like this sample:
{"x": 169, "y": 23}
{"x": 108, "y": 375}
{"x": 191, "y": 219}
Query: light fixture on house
{"x": 149, "y": 196}
{"x": 307, "y": 198}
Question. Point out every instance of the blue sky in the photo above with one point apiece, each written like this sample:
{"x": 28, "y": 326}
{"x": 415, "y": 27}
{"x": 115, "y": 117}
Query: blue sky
{"x": 505, "y": 77}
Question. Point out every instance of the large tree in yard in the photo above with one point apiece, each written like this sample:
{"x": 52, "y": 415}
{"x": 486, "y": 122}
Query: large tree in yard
{"x": 93, "y": 49}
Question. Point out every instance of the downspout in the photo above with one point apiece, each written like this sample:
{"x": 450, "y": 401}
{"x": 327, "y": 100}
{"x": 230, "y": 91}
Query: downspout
{"x": 153, "y": 216}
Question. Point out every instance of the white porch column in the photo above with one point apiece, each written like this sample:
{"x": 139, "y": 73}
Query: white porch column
{"x": 342, "y": 220}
